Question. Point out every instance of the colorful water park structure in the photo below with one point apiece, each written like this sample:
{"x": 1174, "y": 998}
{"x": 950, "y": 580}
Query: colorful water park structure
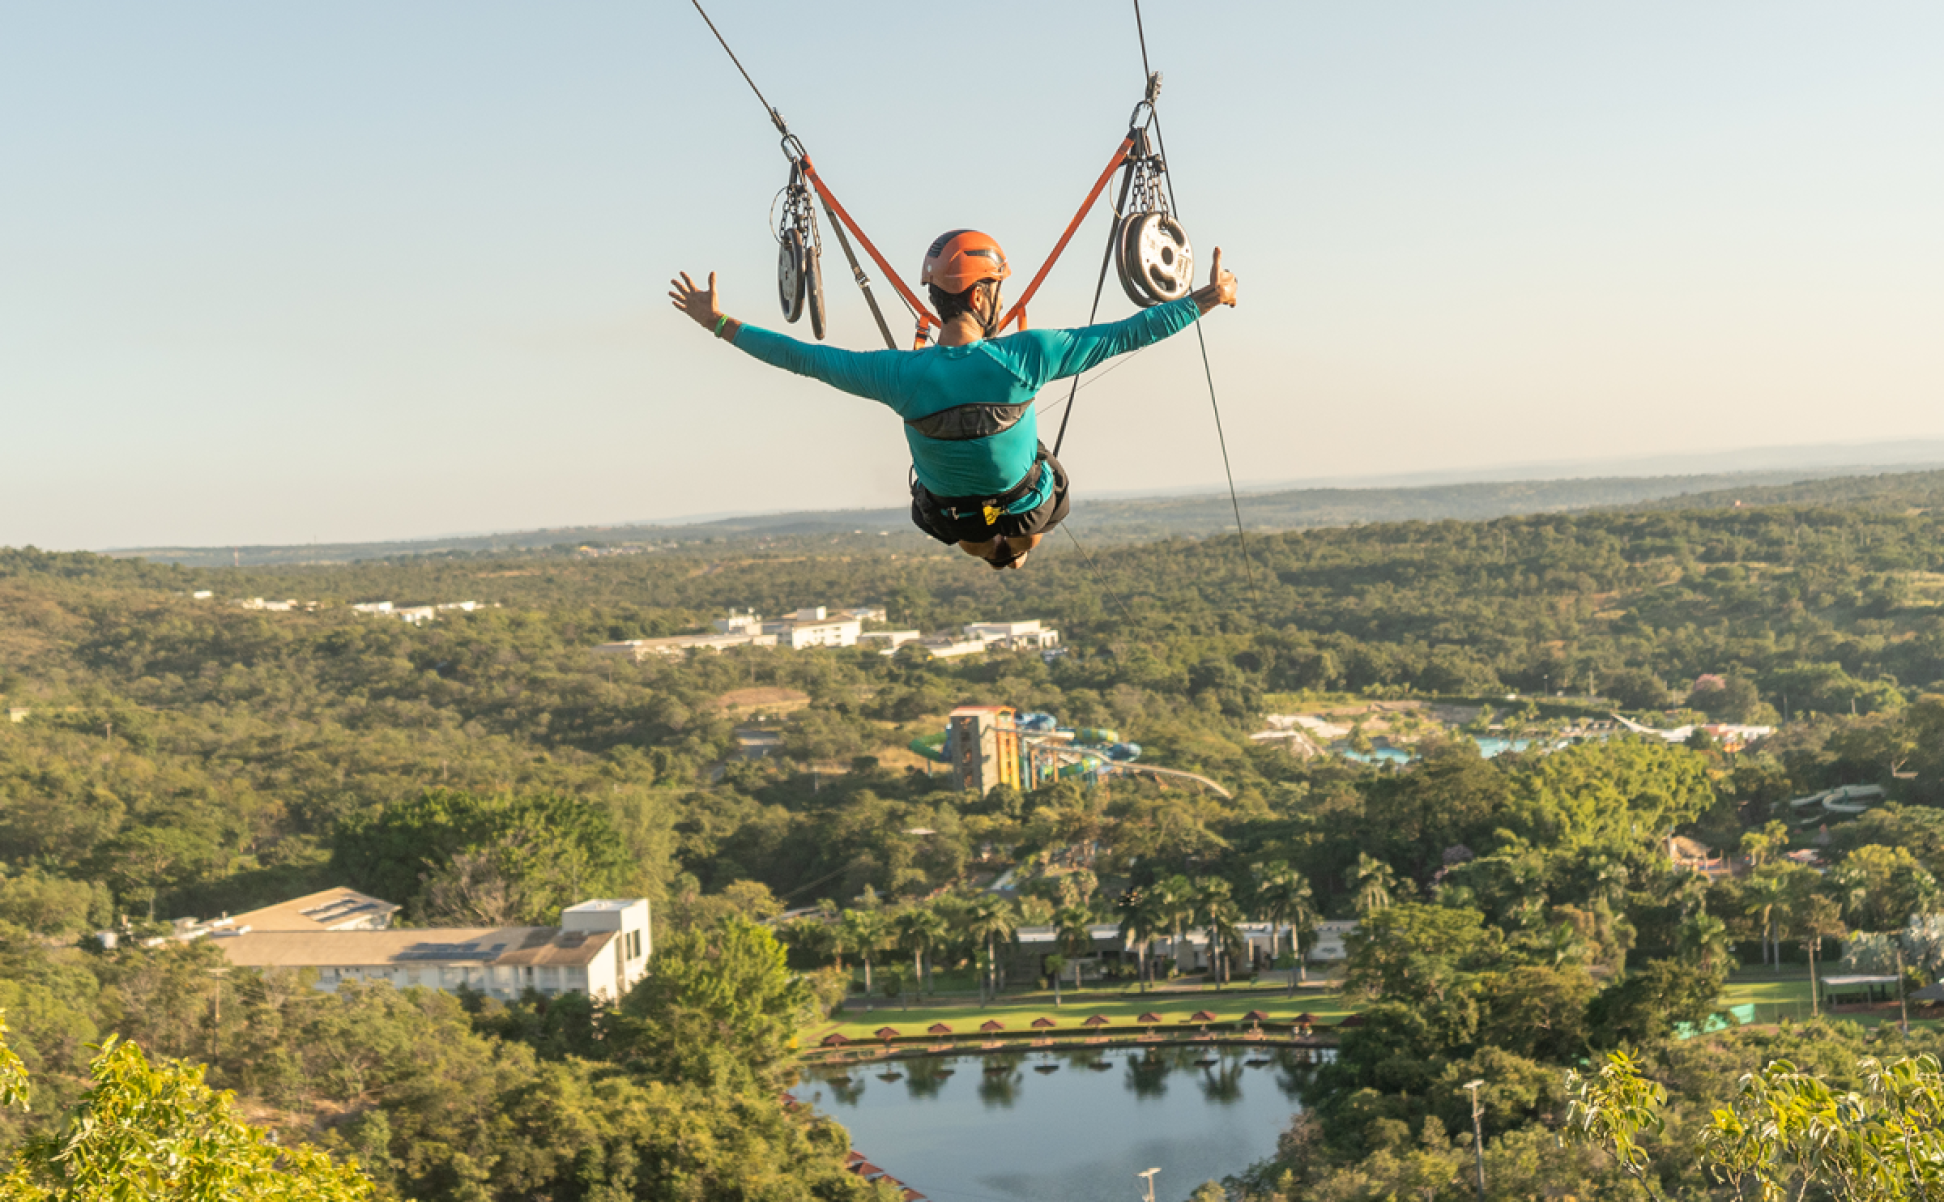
{"x": 987, "y": 746}
{"x": 1834, "y": 805}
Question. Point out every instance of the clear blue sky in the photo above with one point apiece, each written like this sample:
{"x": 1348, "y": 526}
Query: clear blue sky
{"x": 271, "y": 273}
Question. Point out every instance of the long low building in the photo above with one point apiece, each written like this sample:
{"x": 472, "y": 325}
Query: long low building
{"x": 601, "y": 948}
{"x": 640, "y": 649}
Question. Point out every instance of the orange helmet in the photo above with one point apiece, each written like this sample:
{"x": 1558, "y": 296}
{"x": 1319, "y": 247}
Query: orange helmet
{"x": 961, "y": 259}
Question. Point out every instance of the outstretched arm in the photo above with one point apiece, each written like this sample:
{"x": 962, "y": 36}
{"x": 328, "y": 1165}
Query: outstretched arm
{"x": 872, "y": 374}
{"x": 1064, "y": 353}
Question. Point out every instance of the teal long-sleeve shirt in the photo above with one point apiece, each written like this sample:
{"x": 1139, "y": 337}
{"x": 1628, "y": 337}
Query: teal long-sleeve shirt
{"x": 968, "y": 410}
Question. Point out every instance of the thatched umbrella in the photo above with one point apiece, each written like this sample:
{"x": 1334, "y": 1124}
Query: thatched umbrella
{"x": 1149, "y": 1018}
{"x": 992, "y": 1024}
{"x": 938, "y": 1029}
{"x": 887, "y": 1034}
{"x": 1095, "y": 1020}
{"x": 834, "y": 1040}
{"x": 1304, "y": 1021}
{"x": 1255, "y": 1018}
{"x": 1201, "y": 1016}
{"x": 1043, "y": 1022}
{"x": 1354, "y": 1020}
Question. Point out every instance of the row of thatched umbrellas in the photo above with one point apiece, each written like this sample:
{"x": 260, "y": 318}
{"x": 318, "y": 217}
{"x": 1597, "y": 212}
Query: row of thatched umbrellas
{"x": 993, "y": 1026}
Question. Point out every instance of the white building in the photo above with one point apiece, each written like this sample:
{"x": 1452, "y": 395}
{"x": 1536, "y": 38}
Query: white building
{"x": 601, "y": 948}
{"x": 891, "y": 639}
{"x": 987, "y": 636}
{"x": 640, "y": 649}
{"x": 953, "y": 648}
{"x": 800, "y": 632}
{"x": 1019, "y": 636}
{"x": 740, "y": 621}
{"x": 1330, "y": 942}
{"x": 339, "y": 909}
{"x": 415, "y": 614}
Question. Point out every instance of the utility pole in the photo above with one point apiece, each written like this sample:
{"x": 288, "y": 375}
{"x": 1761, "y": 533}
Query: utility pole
{"x": 1147, "y": 1179}
{"x": 1903, "y": 1003}
{"x": 1478, "y": 1136}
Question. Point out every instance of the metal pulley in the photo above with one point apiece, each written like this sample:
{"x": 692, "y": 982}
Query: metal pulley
{"x": 799, "y": 271}
{"x": 1155, "y": 259}
{"x": 789, "y": 274}
{"x": 1152, "y": 254}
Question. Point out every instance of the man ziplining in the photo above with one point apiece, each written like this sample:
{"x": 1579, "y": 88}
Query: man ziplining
{"x": 980, "y": 476}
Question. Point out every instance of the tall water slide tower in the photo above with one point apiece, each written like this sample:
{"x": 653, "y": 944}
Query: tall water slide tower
{"x": 984, "y": 746}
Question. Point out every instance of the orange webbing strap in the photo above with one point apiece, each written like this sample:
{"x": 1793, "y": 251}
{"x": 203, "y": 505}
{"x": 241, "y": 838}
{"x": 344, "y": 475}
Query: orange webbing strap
{"x": 1100, "y": 185}
{"x": 917, "y": 306}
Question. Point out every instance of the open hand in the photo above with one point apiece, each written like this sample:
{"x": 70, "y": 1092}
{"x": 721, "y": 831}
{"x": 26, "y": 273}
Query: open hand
{"x": 698, "y": 303}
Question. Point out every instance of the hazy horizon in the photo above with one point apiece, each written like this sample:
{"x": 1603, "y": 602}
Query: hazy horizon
{"x": 359, "y": 273}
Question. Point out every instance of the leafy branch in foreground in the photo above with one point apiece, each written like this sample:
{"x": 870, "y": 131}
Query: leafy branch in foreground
{"x": 1612, "y": 1109}
{"x": 1785, "y": 1131}
{"x": 155, "y": 1131}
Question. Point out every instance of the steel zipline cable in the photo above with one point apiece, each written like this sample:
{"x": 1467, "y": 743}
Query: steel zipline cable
{"x": 775, "y": 117}
{"x": 1221, "y": 439}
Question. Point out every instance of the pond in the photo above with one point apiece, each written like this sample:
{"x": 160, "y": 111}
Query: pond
{"x": 1069, "y": 1125}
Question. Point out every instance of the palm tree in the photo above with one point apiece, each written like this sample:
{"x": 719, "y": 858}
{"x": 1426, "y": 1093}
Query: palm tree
{"x": 1609, "y": 879}
{"x": 1563, "y": 945}
{"x": 1375, "y": 881}
{"x": 1055, "y": 965}
{"x": 1138, "y": 926}
{"x": 1704, "y": 938}
{"x": 1213, "y": 907}
{"x": 1283, "y": 897}
{"x": 864, "y": 931}
{"x": 1073, "y": 930}
{"x": 1764, "y": 894}
{"x": 1224, "y": 919}
{"x": 827, "y": 911}
{"x": 920, "y": 929}
{"x": 1174, "y": 905}
{"x": 1820, "y": 918}
{"x": 989, "y": 920}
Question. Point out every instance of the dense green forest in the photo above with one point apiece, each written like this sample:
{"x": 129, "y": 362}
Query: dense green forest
{"x": 173, "y": 755}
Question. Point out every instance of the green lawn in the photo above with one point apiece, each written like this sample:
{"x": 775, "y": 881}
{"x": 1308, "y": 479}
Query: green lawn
{"x": 854, "y": 1023}
{"x": 1775, "y": 997}
{"x": 1786, "y": 995}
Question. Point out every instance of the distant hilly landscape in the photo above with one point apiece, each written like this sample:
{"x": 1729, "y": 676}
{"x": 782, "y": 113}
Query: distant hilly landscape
{"x": 1194, "y": 516}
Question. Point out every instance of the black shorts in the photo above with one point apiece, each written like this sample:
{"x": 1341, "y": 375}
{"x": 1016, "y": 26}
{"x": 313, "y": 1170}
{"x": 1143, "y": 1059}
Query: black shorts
{"x": 935, "y": 516}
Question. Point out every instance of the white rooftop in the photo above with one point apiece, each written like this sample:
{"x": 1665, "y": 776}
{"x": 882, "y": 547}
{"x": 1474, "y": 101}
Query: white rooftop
{"x": 601, "y": 904}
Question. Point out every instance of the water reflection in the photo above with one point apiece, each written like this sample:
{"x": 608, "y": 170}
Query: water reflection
{"x": 926, "y": 1077}
{"x": 1223, "y": 1085}
{"x": 1000, "y": 1127}
{"x": 999, "y": 1080}
{"x": 1147, "y": 1072}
